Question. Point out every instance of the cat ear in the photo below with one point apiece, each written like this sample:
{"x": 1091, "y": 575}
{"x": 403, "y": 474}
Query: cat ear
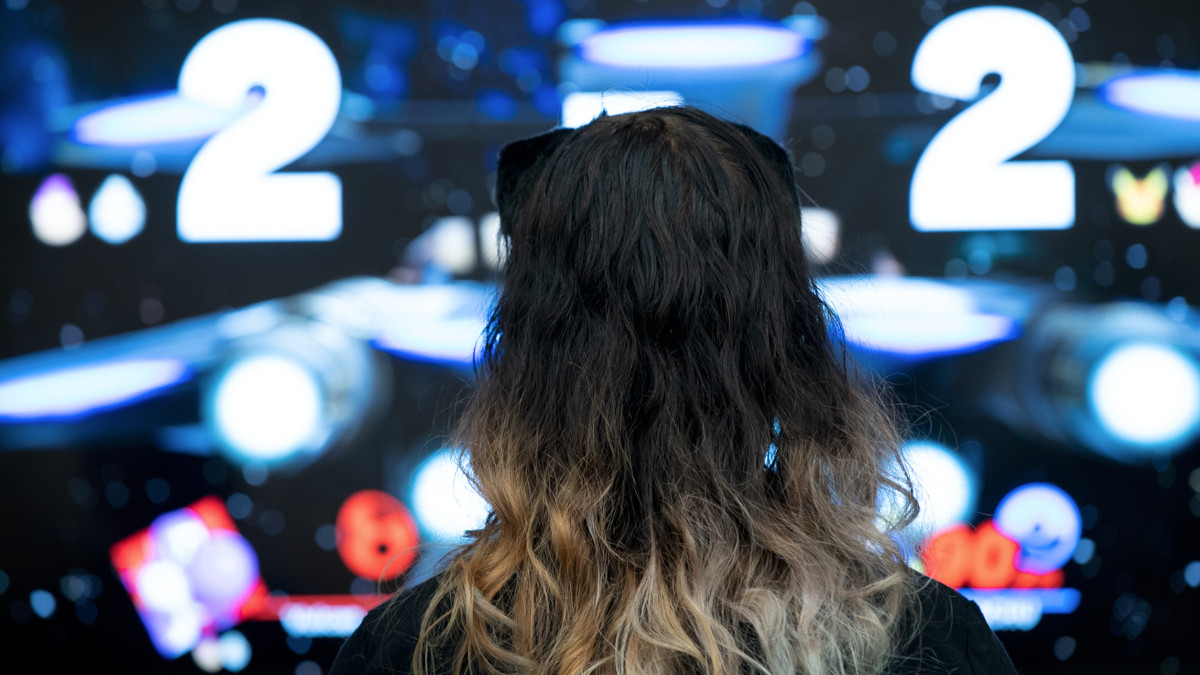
{"x": 520, "y": 162}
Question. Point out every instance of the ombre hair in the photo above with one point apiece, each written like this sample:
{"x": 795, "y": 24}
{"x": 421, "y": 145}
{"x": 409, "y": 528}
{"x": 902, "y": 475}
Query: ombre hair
{"x": 682, "y": 465}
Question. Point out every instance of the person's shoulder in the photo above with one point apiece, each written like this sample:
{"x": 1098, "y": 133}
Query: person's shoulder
{"x": 386, "y": 639}
{"x": 951, "y": 636}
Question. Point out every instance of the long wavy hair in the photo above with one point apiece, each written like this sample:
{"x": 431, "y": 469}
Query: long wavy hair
{"x": 682, "y": 466}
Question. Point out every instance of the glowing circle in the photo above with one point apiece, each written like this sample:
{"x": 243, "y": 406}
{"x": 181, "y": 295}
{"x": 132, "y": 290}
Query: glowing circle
{"x": 443, "y": 500}
{"x": 117, "y": 212}
{"x": 234, "y": 650}
{"x": 694, "y": 46}
{"x": 163, "y": 585}
{"x": 945, "y": 487}
{"x": 267, "y": 407}
{"x": 376, "y": 535}
{"x": 178, "y": 535}
{"x": 1045, "y": 523}
{"x": 1146, "y": 394}
{"x": 56, "y": 213}
{"x": 223, "y": 572}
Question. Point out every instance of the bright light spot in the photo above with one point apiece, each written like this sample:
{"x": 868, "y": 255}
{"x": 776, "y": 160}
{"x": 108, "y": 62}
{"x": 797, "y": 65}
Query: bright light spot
{"x": 235, "y": 651}
{"x": 320, "y": 620}
{"x": 945, "y": 487}
{"x": 694, "y": 46}
{"x": 43, "y": 603}
{"x": 178, "y": 535}
{"x": 449, "y": 244}
{"x": 223, "y": 572}
{"x": 1191, "y": 573}
{"x": 821, "y": 230}
{"x": 162, "y": 585}
{"x": 581, "y": 107}
{"x": 443, "y": 502}
{"x": 267, "y": 407}
{"x": 163, "y": 118}
{"x": 1171, "y": 94}
{"x": 56, "y": 213}
{"x": 439, "y": 323}
{"x": 1045, "y": 523}
{"x": 912, "y": 317}
{"x": 178, "y": 631}
{"x": 117, "y": 212}
{"x": 1146, "y": 394}
{"x": 83, "y": 389}
{"x": 490, "y": 242}
{"x": 1187, "y": 194}
{"x": 207, "y": 655}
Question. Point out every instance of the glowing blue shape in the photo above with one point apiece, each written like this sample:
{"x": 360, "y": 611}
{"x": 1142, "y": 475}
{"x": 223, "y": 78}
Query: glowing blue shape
{"x": 1147, "y": 395}
{"x": 1021, "y": 608}
{"x": 1045, "y": 523}
{"x": 1167, "y": 94}
{"x": 443, "y": 501}
{"x": 692, "y": 46}
{"x": 234, "y": 650}
{"x": 440, "y": 324}
{"x": 268, "y": 407}
{"x": 162, "y": 118}
{"x": 43, "y": 603}
{"x": 912, "y": 317}
{"x": 83, "y": 390}
{"x": 117, "y": 212}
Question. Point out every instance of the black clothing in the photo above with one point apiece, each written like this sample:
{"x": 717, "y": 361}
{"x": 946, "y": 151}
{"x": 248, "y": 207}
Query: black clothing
{"x": 955, "y": 638}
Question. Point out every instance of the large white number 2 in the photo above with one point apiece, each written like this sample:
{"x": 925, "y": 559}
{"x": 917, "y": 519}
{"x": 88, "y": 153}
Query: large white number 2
{"x": 964, "y": 179}
{"x": 230, "y": 191}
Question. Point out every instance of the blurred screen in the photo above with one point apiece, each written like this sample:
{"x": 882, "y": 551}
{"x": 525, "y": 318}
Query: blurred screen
{"x": 250, "y": 247}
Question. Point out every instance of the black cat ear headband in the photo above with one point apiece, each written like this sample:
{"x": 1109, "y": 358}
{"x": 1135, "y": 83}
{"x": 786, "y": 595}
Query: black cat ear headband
{"x": 521, "y": 162}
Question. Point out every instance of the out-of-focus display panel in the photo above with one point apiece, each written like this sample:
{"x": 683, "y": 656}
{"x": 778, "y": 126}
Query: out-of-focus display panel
{"x": 250, "y": 247}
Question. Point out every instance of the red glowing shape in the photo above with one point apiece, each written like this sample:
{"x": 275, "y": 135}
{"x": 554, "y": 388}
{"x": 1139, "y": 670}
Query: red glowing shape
{"x": 376, "y": 535}
{"x": 982, "y": 558}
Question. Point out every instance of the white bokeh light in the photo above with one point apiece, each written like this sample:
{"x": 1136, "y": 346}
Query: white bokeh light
{"x": 1146, "y": 394}
{"x": 267, "y": 407}
{"x": 443, "y": 501}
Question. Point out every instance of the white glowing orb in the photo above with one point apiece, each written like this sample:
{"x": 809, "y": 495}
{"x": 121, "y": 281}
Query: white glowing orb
{"x": 56, "y": 213}
{"x": 1146, "y": 394}
{"x": 821, "y": 232}
{"x": 267, "y": 407}
{"x": 117, "y": 212}
{"x": 581, "y": 107}
{"x": 695, "y": 46}
{"x": 450, "y": 244}
{"x": 443, "y": 501}
{"x": 163, "y": 585}
{"x": 178, "y": 535}
{"x": 945, "y": 487}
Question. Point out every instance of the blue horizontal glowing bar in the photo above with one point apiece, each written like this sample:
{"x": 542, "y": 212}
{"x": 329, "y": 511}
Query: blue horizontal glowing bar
{"x": 692, "y": 45}
{"x": 161, "y": 118}
{"x": 1053, "y": 600}
{"x": 81, "y": 390}
{"x": 1167, "y": 94}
